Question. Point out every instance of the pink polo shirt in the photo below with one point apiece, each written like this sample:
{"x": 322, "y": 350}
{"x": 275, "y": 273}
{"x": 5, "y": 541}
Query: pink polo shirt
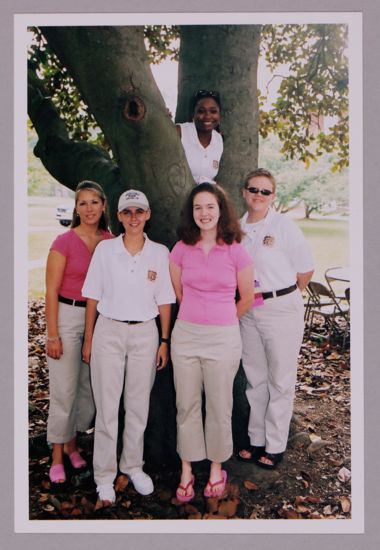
{"x": 209, "y": 282}
{"x": 78, "y": 259}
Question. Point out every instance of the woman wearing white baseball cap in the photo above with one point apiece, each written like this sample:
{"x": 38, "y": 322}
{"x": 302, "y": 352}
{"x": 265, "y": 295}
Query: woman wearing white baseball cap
{"x": 128, "y": 284}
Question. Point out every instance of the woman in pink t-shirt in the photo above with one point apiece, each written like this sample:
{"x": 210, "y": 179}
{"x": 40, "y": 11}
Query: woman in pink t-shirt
{"x": 71, "y": 406}
{"x": 206, "y": 266}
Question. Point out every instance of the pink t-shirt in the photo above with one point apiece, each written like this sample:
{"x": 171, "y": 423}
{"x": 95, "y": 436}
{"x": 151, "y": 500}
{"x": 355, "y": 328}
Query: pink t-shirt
{"x": 209, "y": 281}
{"x": 78, "y": 259}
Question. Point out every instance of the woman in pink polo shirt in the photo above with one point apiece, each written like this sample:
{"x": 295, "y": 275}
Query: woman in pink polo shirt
{"x": 206, "y": 266}
{"x": 71, "y": 401}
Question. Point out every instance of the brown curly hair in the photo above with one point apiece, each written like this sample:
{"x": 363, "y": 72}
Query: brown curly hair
{"x": 228, "y": 227}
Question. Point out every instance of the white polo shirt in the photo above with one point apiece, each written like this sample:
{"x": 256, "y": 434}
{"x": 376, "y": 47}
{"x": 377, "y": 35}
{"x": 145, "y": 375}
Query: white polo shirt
{"x": 203, "y": 161}
{"x": 129, "y": 288}
{"x": 279, "y": 250}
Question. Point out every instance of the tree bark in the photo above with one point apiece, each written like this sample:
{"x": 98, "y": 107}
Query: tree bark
{"x": 68, "y": 161}
{"x": 110, "y": 68}
{"x": 210, "y": 58}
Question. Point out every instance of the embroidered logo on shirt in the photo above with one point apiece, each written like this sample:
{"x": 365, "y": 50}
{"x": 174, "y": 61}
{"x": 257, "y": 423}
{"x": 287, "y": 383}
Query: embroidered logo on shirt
{"x": 268, "y": 240}
{"x": 215, "y": 164}
{"x": 152, "y": 275}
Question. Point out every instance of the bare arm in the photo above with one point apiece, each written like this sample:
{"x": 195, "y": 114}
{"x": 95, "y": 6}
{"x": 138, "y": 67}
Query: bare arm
{"x": 89, "y": 329}
{"x": 245, "y": 285}
{"x": 163, "y": 350}
{"x": 303, "y": 279}
{"x": 55, "y": 268}
{"x": 178, "y": 128}
{"x": 175, "y": 274}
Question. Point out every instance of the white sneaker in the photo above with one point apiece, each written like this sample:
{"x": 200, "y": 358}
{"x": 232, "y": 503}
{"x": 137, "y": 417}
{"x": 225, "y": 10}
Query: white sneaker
{"x": 142, "y": 483}
{"x": 106, "y": 492}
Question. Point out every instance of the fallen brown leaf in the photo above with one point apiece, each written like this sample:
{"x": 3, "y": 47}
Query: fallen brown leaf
{"x": 345, "y": 503}
{"x": 212, "y": 505}
{"x": 121, "y": 483}
{"x": 250, "y": 485}
{"x": 228, "y": 508}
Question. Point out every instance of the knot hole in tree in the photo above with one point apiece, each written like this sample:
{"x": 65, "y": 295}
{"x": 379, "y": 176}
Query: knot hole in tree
{"x": 134, "y": 108}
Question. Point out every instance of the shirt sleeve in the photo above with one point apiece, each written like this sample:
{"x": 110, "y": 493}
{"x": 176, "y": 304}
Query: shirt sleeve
{"x": 242, "y": 258}
{"x": 299, "y": 250}
{"x": 176, "y": 255}
{"x": 165, "y": 292}
{"x": 61, "y": 244}
{"x": 93, "y": 284}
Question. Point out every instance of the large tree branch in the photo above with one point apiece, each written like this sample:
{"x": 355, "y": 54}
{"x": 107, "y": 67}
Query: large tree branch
{"x": 110, "y": 68}
{"x": 66, "y": 160}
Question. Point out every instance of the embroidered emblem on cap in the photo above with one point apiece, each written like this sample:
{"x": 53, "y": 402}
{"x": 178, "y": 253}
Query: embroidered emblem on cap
{"x": 130, "y": 195}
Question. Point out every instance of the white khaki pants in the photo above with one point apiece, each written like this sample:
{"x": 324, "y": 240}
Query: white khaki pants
{"x": 204, "y": 357}
{"x": 122, "y": 357}
{"x": 71, "y": 408}
{"x": 272, "y": 336}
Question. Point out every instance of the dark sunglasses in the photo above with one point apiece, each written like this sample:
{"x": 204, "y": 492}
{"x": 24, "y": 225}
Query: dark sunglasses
{"x": 206, "y": 93}
{"x": 255, "y": 190}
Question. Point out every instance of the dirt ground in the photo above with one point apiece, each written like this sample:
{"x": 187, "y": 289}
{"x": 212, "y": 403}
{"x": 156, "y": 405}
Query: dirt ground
{"x": 313, "y": 481}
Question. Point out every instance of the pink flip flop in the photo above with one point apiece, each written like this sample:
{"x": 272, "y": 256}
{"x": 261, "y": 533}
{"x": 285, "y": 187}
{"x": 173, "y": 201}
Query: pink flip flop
{"x": 185, "y": 497}
{"x": 76, "y": 460}
{"x": 222, "y": 482}
{"x": 57, "y": 474}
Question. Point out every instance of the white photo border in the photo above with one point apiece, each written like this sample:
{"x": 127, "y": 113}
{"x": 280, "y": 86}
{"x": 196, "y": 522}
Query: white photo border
{"x": 21, "y": 512}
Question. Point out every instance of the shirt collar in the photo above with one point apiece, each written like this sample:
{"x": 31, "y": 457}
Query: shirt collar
{"x": 121, "y": 248}
{"x": 217, "y": 246}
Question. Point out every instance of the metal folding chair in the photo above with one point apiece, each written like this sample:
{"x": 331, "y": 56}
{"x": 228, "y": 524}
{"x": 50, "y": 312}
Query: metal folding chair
{"x": 330, "y": 283}
{"x": 334, "y": 313}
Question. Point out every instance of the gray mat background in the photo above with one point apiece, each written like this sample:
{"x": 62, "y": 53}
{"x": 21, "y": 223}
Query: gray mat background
{"x": 371, "y": 539}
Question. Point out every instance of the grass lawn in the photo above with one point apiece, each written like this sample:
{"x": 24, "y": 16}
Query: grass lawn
{"x": 329, "y": 240}
{"x": 39, "y": 243}
{"x": 36, "y": 280}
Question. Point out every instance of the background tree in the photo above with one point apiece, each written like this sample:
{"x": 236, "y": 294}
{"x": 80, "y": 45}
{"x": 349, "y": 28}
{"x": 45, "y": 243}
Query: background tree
{"x": 315, "y": 187}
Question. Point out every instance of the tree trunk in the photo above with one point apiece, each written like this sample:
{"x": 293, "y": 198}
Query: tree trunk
{"x": 210, "y": 59}
{"x": 110, "y": 68}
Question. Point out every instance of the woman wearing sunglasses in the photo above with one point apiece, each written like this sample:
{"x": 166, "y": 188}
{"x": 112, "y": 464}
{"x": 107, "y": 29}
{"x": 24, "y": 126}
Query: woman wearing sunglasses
{"x": 201, "y": 139}
{"x": 272, "y": 334}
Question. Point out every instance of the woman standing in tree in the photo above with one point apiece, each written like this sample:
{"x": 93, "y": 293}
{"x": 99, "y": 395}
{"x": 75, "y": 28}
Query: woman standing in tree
{"x": 71, "y": 401}
{"x": 201, "y": 139}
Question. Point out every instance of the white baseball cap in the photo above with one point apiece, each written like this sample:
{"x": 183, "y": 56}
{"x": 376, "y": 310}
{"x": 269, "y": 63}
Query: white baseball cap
{"x": 133, "y": 198}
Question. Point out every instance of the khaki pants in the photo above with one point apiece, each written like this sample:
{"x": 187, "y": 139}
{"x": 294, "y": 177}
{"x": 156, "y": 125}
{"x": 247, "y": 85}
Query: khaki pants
{"x": 72, "y": 406}
{"x": 122, "y": 357}
{"x": 272, "y": 337}
{"x": 204, "y": 357}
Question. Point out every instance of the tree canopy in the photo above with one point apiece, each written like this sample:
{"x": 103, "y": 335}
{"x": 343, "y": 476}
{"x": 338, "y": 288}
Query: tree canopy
{"x": 99, "y": 114}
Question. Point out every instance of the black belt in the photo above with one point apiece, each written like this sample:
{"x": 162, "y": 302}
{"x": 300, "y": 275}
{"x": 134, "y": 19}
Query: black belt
{"x": 80, "y": 303}
{"x": 281, "y": 292}
{"x": 128, "y": 322}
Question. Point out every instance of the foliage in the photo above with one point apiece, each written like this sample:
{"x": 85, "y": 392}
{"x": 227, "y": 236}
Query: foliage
{"x": 40, "y": 182}
{"x": 314, "y": 83}
{"x": 315, "y": 186}
{"x": 161, "y": 42}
